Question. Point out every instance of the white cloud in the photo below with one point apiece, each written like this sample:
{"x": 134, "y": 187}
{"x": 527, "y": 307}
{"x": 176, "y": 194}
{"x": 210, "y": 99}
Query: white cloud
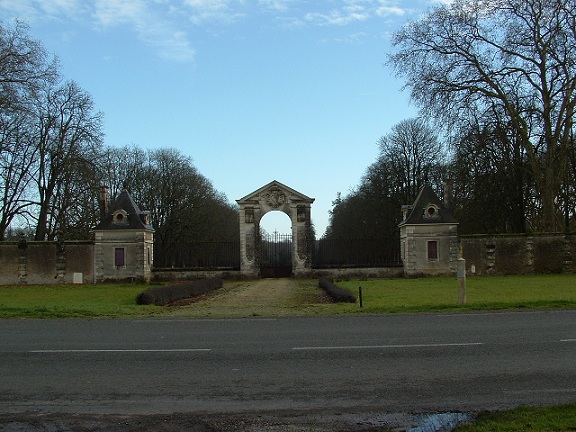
{"x": 275, "y": 5}
{"x": 171, "y": 45}
{"x": 356, "y": 11}
{"x": 163, "y": 24}
{"x": 19, "y": 9}
{"x": 213, "y": 11}
{"x": 68, "y": 7}
{"x": 354, "y": 38}
{"x": 115, "y": 12}
{"x": 339, "y": 17}
{"x": 148, "y": 22}
{"x": 34, "y": 10}
{"x": 390, "y": 10}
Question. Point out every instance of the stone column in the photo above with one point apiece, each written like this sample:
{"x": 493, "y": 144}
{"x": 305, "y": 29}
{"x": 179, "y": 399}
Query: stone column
{"x": 22, "y": 261}
{"x": 249, "y": 263}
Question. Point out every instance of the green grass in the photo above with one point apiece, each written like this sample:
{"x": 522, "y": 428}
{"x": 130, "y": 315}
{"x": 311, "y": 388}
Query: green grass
{"x": 528, "y": 419}
{"x": 483, "y": 293}
{"x": 379, "y": 296}
{"x": 73, "y": 301}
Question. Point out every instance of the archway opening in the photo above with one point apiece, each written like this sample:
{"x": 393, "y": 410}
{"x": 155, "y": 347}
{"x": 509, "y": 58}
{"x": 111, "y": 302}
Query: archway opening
{"x": 276, "y": 245}
{"x": 276, "y": 221}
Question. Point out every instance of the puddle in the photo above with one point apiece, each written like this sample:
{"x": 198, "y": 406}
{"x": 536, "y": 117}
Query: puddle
{"x": 437, "y": 422}
{"x": 443, "y": 422}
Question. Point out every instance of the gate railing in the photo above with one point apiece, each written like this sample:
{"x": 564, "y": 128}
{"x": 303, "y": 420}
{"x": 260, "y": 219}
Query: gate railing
{"x": 356, "y": 253}
{"x": 197, "y": 255}
{"x": 276, "y": 251}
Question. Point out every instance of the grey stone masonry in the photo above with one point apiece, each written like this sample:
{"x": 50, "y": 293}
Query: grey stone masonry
{"x": 275, "y": 196}
{"x": 428, "y": 237}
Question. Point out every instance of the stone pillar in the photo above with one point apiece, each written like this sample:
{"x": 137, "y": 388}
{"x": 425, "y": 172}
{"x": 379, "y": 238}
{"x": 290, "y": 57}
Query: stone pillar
{"x": 98, "y": 258}
{"x": 249, "y": 256}
{"x": 301, "y": 240}
{"x": 408, "y": 246}
{"x": 60, "y": 261}
{"x": 145, "y": 243}
{"x": 22, "y": 261}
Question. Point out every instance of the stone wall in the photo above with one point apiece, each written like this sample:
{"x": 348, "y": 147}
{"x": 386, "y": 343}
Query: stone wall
{"x": 46, "y": 262}
{"x": 74, "y": 262}
{"x": 10, "y": 270}
{"x": 520, "y": 254}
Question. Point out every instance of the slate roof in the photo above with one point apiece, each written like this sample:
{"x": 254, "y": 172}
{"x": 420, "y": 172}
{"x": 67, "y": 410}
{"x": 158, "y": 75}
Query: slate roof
{"x": 417, "y": 213}
{"x": 136, "y": 217}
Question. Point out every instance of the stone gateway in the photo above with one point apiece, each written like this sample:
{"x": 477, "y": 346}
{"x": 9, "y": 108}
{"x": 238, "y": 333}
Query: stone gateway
{"x": 275, "y": 196}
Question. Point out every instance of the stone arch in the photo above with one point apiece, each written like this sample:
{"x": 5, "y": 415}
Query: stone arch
{"x": 271, "y": 197}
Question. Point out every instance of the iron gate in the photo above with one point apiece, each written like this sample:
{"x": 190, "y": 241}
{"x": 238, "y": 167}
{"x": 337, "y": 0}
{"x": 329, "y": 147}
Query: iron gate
{"x": 276, "y": 255}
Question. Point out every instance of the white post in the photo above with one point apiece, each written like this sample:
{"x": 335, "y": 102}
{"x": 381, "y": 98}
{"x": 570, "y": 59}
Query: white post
{"x": 461, "y": 274}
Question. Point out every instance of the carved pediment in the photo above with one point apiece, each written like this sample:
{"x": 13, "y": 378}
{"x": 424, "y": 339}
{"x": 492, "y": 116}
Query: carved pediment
{"x": 274, "y": 195}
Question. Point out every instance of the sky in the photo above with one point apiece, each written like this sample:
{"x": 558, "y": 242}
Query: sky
{"x": 252, "y": 91}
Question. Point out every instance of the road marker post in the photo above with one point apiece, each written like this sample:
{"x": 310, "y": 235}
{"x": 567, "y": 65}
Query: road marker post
{"x": 461, "y": 274}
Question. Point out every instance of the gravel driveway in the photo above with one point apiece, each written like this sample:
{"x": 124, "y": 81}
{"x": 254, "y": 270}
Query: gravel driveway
{"x": 261, "y": 297}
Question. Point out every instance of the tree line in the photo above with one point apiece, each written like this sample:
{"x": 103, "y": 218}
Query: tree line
{"x": 53, "y": 160}
{"x": 495, "y": 82}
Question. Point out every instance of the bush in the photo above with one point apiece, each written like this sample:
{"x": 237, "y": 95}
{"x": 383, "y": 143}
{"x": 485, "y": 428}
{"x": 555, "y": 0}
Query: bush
{"x": 161, "y": 296}
{"x": 338, "y": 294}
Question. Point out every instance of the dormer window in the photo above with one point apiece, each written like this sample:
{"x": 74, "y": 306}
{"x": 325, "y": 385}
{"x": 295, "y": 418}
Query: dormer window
{"x": 145, "y": 218}
{"x": 120, "y": 217}
{"x": 431, "y": 211}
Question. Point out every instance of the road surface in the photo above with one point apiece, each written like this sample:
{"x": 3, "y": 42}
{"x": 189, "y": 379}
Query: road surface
{"x": 328, "y": 365}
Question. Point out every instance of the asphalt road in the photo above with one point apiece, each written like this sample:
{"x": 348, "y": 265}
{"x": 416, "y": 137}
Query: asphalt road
{"x": 388, "y": 363}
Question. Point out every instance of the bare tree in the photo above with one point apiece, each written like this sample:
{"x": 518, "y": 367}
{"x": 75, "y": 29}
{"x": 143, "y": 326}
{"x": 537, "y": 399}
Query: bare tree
{"x": 517, "y": 57}
{"x": 68, "y": 137}
{"x": 414, "y": 156}
{"x": 120, "y": 167}
{"x": 17, "y": 158}
{"x": 410, "y": 156}
{"x": 493, "y": 185}
{"x": 24, "y": 66}
{"x": 184, "y": 204}
{"x": 24, "y": 70}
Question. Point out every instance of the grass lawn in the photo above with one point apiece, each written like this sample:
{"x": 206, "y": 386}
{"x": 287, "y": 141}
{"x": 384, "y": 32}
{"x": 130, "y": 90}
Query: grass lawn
{"x": 528, "y": 419}
{"x": 379, "y": 296}
{"x": 483, "y": 293}
{"x": 73, "y": 301}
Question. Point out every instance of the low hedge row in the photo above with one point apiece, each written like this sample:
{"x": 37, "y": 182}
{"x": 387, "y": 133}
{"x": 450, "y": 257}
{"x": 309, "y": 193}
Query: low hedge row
{"x": 338, "y": 294}
{"x": 164, "y": 295}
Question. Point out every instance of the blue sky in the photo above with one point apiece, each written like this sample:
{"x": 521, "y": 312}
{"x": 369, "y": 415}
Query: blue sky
{"x": 252, "y": 90}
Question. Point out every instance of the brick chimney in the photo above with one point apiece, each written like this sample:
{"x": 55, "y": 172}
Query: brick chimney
{"x": 103, "y": 201}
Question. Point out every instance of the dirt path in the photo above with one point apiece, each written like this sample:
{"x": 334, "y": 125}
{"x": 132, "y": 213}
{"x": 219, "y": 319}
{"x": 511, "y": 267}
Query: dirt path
{"x": 262, "y": 297}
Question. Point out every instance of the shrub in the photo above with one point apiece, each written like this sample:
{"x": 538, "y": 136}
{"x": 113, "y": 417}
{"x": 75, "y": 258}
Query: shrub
{"x": 338, "y": 294}
{"x": 161, "y": 296}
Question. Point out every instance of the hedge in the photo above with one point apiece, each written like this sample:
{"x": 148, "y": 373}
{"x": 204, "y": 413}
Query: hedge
{"x": 338, "y": 294}
{"x": 161, "y": 296}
